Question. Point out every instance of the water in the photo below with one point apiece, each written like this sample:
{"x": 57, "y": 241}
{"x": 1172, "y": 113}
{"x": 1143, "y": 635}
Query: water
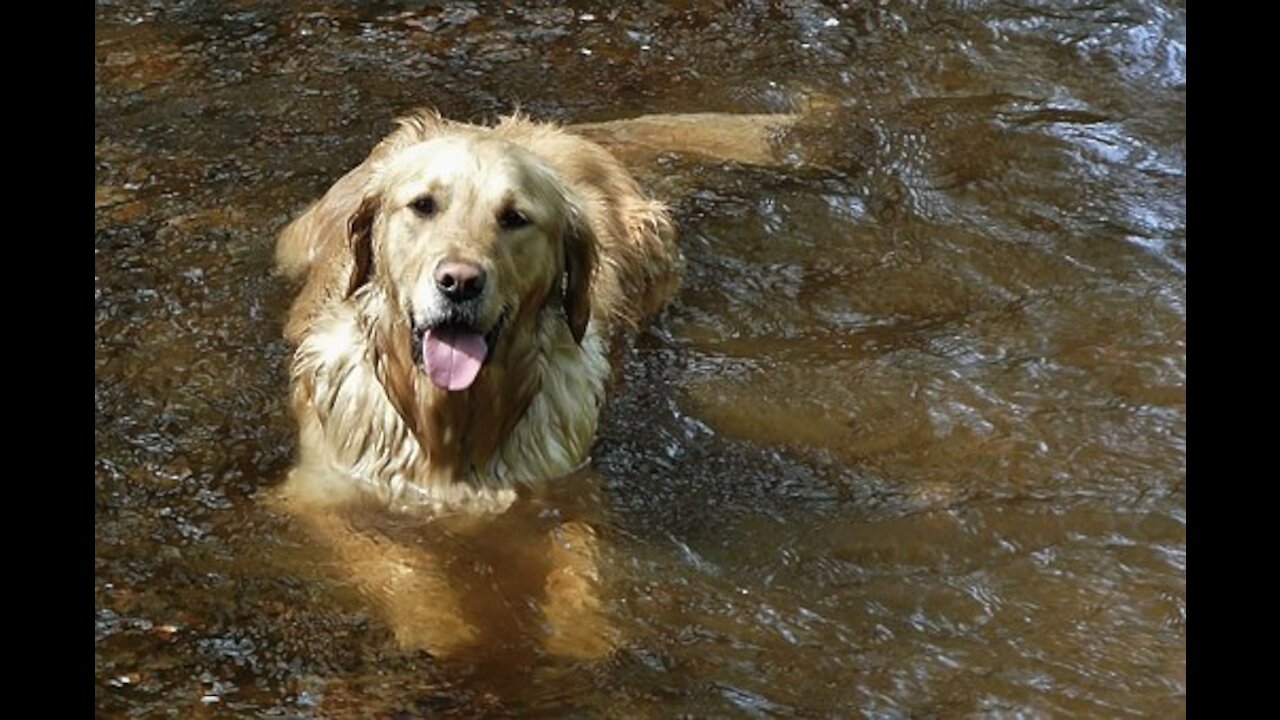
{"x": 911, "y": 440}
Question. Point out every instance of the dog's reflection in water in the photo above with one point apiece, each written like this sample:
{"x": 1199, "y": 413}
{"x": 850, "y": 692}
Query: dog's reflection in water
{"x": 519, "y": 583}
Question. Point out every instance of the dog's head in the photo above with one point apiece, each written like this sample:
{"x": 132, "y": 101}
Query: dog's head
{"x": 468, "y": 234}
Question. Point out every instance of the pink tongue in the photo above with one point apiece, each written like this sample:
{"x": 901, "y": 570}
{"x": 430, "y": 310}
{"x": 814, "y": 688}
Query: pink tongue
{"x": 453, "y": 357}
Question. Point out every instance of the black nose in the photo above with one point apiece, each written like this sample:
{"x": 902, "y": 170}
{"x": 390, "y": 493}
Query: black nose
{"x": 459, "y": 281}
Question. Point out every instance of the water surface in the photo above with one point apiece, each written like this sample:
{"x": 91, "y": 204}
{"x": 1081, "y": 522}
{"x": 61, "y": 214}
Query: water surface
{"x": 911, "y": 440}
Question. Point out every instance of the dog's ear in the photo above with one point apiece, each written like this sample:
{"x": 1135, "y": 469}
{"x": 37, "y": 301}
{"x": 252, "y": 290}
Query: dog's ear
{"x": 580, "y": 264}
{"x": 360, "y": 242}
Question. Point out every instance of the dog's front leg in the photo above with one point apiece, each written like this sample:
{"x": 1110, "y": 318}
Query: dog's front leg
{"x": 577, "y": 625}
{"x": 405, "y": 583}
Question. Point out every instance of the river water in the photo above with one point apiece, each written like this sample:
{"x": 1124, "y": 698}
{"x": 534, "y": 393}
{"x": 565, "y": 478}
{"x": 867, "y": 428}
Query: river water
{"x": 911, "y": 441}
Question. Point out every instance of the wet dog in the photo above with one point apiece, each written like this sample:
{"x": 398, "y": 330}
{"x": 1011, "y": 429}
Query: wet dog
{"x": 464, "y": 291}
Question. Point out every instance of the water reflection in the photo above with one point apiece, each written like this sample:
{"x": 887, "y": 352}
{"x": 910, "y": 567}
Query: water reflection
{"x": 911, "y": 441}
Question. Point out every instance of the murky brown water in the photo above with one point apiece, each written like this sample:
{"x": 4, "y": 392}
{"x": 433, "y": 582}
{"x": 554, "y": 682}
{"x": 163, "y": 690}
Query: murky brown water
{"x": 912, "y": 440}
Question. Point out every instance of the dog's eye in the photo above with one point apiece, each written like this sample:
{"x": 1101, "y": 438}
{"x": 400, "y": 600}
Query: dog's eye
{"x": 424, "y": 206}
{"x": 511, "y": 219}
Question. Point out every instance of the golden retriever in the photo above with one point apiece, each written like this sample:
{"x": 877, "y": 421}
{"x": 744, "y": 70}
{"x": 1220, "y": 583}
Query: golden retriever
{"x": 464, "y": 292}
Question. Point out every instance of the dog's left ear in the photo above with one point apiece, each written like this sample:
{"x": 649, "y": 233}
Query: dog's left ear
{"x": 580, "y": 264}
{"x": 360, "y": 242}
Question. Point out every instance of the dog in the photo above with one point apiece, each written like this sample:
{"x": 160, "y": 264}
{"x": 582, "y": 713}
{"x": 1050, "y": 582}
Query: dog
{"x": 465, "y": 293}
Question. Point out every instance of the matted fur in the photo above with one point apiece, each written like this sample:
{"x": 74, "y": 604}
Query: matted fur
{"x": 368, "y": 415}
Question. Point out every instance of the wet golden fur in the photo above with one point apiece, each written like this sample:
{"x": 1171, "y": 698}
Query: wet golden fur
{"x": 367, "y": 412}
{"x": 597, "y": 259}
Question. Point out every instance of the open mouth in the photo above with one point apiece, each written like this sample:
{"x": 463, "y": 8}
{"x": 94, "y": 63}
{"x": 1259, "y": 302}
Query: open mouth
{"x": 452, "y": 353}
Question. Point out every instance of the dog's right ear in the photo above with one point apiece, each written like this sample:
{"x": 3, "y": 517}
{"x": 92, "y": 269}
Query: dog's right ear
{"x": 360, "y": 243}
